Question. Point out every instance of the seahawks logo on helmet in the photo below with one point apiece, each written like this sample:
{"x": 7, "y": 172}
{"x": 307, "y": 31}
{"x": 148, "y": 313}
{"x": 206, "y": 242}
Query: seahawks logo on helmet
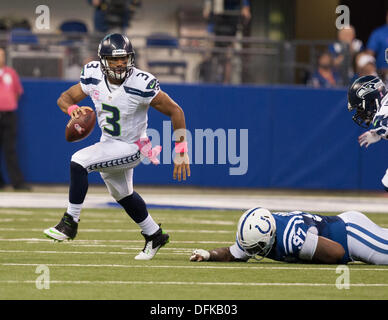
{"x": 369, "y": 87}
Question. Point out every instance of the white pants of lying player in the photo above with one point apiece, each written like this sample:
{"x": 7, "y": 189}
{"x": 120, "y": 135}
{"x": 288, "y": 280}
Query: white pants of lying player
{"x": 367, "y": 241}
{"x": 115, "y": 160}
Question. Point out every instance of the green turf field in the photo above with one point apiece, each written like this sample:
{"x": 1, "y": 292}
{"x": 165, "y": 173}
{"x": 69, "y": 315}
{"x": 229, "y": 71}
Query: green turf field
{"x": 100, "y": 263}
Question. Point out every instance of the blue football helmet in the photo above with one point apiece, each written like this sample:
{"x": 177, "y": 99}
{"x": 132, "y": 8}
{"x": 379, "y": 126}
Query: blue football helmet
{"x": 364, "y": 96}
{"x": 116, "y": 45}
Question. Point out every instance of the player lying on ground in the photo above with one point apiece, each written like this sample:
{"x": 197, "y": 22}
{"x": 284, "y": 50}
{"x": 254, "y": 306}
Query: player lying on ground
{"x": 303, "y": 237}
{"x": 121, "y": 95}
{"x": 368, "y": 96}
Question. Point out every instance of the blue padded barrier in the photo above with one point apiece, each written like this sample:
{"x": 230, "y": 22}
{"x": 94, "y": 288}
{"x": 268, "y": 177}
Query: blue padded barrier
{"x": 298, "y": 138}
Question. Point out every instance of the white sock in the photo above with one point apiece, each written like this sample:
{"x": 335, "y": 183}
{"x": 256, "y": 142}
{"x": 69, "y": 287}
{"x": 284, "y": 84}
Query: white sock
{"x": 74, "y": 210}
{"x": 148, "y": 226}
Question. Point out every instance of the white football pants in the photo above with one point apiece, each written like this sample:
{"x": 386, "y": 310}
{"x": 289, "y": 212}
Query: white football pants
{"x": 367, "y": 241}
{"x": 115, "y": 160}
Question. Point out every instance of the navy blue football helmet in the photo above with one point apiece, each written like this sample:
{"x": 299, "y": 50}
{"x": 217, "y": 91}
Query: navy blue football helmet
{"x": 116, "y": 45}
{"x": 364, "y": 96}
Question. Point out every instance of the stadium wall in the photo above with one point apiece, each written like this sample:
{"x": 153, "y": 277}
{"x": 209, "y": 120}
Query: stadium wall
{"x": 263, "y": 136}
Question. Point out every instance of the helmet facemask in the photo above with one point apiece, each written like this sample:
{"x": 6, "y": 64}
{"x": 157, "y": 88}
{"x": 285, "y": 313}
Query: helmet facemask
{"x": 259, "y": 250}
{"x": 365, "y": 112}
{"x": 117, "y": 73}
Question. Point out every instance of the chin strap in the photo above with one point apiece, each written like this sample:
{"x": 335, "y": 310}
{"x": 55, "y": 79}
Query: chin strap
{"x": 146, "y": 150}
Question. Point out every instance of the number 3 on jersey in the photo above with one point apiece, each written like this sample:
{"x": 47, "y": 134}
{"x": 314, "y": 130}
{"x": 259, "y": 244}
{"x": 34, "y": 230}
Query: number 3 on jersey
{"x": 113, "y": 121}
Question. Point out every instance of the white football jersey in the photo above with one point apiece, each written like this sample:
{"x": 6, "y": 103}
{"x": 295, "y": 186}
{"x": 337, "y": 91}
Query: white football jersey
{"x": 380, "y": 120}
{"x": 121, "y": 110}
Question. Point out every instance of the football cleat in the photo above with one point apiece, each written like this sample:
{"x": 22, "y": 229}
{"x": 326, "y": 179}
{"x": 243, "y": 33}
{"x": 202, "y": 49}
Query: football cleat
{"x": 66, "y": 229}
{"x": 152, "y": 244}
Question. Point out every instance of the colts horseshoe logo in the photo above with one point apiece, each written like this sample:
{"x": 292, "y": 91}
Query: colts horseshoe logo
{"x": 264, "y": 231}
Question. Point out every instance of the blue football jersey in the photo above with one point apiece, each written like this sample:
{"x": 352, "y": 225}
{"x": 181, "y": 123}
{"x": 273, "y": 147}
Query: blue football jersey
{"x": 292, "y": 228}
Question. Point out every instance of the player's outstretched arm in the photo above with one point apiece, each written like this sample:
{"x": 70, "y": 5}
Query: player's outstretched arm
{"x": 367, "y": 138}
{"x": 70, "y": 97}
{"x": 328, "y": 251}
{"x": 164, "y": 104}
{"x": 220, "y": 254}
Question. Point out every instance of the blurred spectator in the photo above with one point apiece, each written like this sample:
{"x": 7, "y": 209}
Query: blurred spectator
{"x": 113, "y": 15}
{"x": 365, "y": 64}
{"x": 377, "y": 43}
{"x": 21, "y": 23}
{"x": 13, "y": 22}
{"x": 344, "y": 50}
{"x": 325, "y": 76}
{"x": 10, "y": 91}
{"x": 225, "y": 17}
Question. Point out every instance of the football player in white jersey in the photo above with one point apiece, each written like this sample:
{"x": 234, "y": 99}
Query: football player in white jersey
{"x": 368, "y": 97}
{"x": 303, "y": 237}
{"x": 121, "y": 94}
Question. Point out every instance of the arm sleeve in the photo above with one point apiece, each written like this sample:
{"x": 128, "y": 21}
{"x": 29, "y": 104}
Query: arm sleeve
{"x": 237, "y": 252}
{"x": 310, "y": 245}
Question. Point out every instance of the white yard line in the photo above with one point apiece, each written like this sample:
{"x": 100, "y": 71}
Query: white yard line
{"x": 122, "y": 230}
{"x": 123, "y": 221}
{"x": 248, "y": 266}
{"x": 30, "y": 240}
{"x": 81, "y": 252}
{"x": 194, "y": 283}
{"x": 211, "y": 200}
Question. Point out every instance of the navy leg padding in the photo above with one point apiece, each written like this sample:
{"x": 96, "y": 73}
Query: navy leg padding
{"x": 78, "y": 183}
{"x": 135, "y": 206}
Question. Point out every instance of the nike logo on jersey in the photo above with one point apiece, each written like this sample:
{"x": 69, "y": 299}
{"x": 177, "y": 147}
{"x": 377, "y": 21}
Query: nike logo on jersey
{"x": 153, "y": 84}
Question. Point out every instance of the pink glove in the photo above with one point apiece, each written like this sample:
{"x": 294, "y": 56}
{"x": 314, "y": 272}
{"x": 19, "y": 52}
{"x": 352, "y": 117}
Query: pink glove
{"x": 146, "y": 150}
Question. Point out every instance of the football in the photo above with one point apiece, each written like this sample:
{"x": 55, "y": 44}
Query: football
{"x": 79, "y": 128}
